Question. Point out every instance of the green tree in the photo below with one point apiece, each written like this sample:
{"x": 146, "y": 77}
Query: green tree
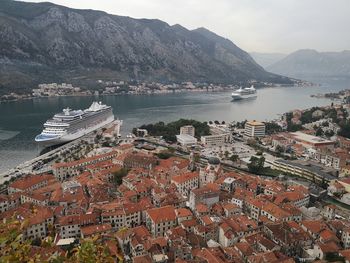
{"x": 329, "y": 133}
{"x": 164, "y": 154}
{"x": 256, "y": 164}
{"x": 226, "y": 154}
{"x": 345, "y": 130}
{"x": 16, "y": 249}
{"x": 234, "y": 158}
{"x": 319, "y": 132}
{"x": 279, "y": 149}
{"x": 169, "y": 131}
{"x": 272, "y": 127}
{"x": 118, "y": 175}
{"x": 91, "y": 251}
{"x": 106, "y": 144}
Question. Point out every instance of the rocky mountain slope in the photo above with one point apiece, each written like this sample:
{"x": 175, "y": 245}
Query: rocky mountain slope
{"x": 44, "y": 42}
{"x": 310, "y": 64}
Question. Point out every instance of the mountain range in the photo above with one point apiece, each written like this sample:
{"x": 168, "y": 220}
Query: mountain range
{"x": 310, "y": 64}
{"x": 44, "y": 42}
{"x": 267, "y": 59}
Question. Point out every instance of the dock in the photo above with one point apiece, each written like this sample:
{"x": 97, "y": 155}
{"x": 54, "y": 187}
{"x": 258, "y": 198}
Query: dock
{"x": 46, "y": 158}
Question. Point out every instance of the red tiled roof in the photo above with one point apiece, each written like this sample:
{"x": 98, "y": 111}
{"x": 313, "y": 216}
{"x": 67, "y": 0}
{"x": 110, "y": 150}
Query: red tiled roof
{"x": 95, "y": 229}
{"x": 329, "y": 247}
{"x": 244, "y": 248}
{"x": 162, "y": 214}
{"x": 314, "y": 226}
{"x": 183, "y": 212}
{"x": 345, "y": 253}
{"x": 30, "y": 180}
{"x": 185, "y": 177}
{"x": 78, "y": 220}
{"x": 34, "y": 214}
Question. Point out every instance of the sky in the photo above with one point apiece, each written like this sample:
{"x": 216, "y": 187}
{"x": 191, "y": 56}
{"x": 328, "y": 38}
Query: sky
{"x": 271, "y": 26}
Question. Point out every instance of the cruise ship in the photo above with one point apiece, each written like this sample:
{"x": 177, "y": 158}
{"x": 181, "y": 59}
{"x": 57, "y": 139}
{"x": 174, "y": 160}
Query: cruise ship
{"x": 245, "y": 93}
{"x": 72, "y": 124}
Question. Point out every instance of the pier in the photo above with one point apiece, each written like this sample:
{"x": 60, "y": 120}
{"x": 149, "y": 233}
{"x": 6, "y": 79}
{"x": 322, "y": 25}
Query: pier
{"x": 44, "y": 161}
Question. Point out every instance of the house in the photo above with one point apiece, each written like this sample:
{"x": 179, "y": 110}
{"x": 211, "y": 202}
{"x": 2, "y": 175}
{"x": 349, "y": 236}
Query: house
{"x": 160, "y": 219}
{"x": 205, "y": 195}
{"x": 30, "y": 183}
{"x": 38, "y": 219}
{"x": 233, "y": 228}
{"x": 186, "y": 182}
{"x": 321, "y": 250}
{"x": 183, "y": 214}
{"x": 70, "y": 226}
{"x": 88, "y": 231}
{"x": 120, "y": 215}
{"x": 66, "y": 170}
{"x": 345, "y": 237}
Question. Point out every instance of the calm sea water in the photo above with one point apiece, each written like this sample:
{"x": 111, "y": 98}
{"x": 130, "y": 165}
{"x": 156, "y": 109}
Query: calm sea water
{"x": 21, "y": 121}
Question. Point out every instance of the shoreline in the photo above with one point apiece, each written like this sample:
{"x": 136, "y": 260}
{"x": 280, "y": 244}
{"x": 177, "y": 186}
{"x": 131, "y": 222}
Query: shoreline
{"x": 2, "y": 174}
{"x": 272, "y": 117}
{"x": 173, "y": 91}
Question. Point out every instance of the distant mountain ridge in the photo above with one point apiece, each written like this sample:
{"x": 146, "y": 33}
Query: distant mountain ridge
{"x": 44, "y": 42}
{"x": 267, "y": 59}
{"x": 311, "y": 64}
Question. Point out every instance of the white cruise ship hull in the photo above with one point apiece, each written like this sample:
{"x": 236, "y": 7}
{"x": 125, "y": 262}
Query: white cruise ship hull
{"x": 47, "y": 141}
{"x": 242, "y": 97}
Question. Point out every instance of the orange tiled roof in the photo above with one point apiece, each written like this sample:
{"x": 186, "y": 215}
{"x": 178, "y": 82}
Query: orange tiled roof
{"x": 314, "y": 226}
{"x": 30, "y": 180}
{"x": 345, "y": 253}
{"x": 95, "y": 229}
{"x": 183, "y": 212}
{"x": 78, "y": 220}
{"x": 34, "y": 214}
{"x": 185, "y": 177}
{"x": 275, "y": 211}
{"x": 244, "y": 248}
{"x": 162, "y": 214}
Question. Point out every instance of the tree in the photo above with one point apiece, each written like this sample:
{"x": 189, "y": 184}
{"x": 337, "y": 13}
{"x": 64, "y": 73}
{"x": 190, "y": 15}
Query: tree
{"x": 279, "y": 149}
{"x": 169, "y": 131}
{"x": 106, "y": 144}
{"x": 16, "y": 249}
{"x": 319, "y": 132}
{"x": 91, "y": 251}
{"x": 226, "y": 153}
{"x": 256, "y": 164}
{"x": 164, "y": 154}
{"x": 118, "y": 175}
{"x": 329, "y": 133}
{"x": 325, "y": 124}
{"x": 259, "y": 152}
{"x": 12, "y": 247}
{"x": 234, "y": 158}
{"x": 345, "y": 130}
{"x": 272, "y": 127}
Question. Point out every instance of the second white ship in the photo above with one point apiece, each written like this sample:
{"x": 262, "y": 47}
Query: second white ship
{"x": 73, "y": 124}
{"x": 246, "y": 93}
